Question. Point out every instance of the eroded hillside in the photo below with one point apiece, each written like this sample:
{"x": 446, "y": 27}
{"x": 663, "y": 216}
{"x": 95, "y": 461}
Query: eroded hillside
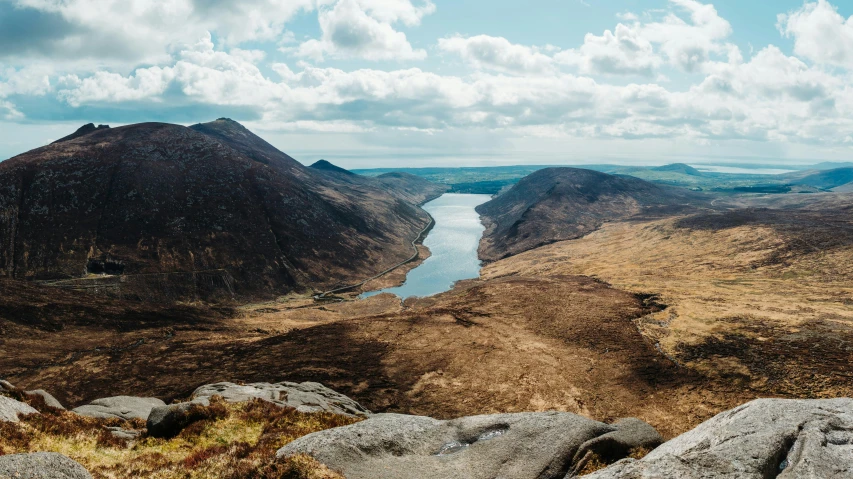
{"x": 556, "y": 204}
{"x": 161, "y": 199}
{"x": 760, "y": 297}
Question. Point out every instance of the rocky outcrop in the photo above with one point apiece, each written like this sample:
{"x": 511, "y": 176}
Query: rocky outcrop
{"x": 41, "y": 465}
{"x": 121, "y": 407}
{"x": 11, "y": 408}
{"x": 305, "y": 397}
{"x": 168, "y": 421}
{"x": 761, "y": 439}
{"x": 48, "y": 399}
{"x": 525, "y": 445}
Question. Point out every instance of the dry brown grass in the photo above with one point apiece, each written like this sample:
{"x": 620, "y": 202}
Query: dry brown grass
{"x": 764, "y": 307}
{"x": 229, "y": 441}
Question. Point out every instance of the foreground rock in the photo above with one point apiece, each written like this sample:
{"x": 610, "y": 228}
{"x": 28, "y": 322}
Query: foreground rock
{"x": 10, "y": 409}
{"x": 518, "y": 446}
{"x": 41, "y": 465}
{"x": 49, "y": 400}
{"x": 305, "y": 397}
{"x": 761, "y": 439}
{"x": 168, "y": 421}
{"x": 122, "y": 407}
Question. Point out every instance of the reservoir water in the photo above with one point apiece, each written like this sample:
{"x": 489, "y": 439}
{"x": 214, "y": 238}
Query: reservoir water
{"x": 453, "y": 243}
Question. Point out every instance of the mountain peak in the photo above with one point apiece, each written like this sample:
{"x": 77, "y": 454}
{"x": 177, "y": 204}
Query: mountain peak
{"x": 83, "y": 130}
{"x": 326, "y": 166}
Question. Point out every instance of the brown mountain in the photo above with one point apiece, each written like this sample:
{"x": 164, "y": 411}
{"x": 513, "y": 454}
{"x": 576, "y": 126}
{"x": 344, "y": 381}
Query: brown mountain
{"x": 411, "y": 187}
{"x": 408, "y": 187}
{"x": 164, "y": 199}
{"x": 326, "y": 166}
{"x": 556, "y": 204}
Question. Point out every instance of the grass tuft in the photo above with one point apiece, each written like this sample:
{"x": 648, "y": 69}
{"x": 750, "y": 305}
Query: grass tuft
{"x": 229, "y": 441}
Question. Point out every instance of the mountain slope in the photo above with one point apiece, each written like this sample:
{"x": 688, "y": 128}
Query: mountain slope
{"x": 161, "y": 198}
{"x": 828, "y": 179}
{"x": 556, "y": 204}
{"x": 679, "y": 168}
{"x": 325, "y": 165}
{"x": 412, "y": 188}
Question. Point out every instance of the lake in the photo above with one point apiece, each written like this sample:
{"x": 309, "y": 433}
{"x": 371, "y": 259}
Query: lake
{"x": 453, "y": 243}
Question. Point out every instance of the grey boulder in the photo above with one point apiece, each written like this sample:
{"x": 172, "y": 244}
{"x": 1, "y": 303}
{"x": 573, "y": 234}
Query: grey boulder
{"x": 11, "y": 408}
{"x": 41, "y": 465}
{"x": 305, "y": 397}
{"x": 49, "y": 400}
{"x": 122, "y": 407}
{"x": 168, "y": 421}
{"x": 509, "y": 446}
{"x": 764, "y": 438}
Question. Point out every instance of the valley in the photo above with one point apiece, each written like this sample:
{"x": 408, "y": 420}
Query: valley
{"x": 601, "y": 295}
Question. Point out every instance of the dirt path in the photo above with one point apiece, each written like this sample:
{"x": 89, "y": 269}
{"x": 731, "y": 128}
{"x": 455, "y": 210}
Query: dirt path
{"x": 421, "y": 236}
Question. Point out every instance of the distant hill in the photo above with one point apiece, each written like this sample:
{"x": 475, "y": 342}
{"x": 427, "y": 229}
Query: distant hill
{"x": 827, "y": 179}
{"x": 162, "y": 198}
{"x": 413, "y": 188}
{"x": 831, "y": 165}
{"x": 324, "y": 165}
{"x": 679, "y": 168}
{"x": 556, "y": 204}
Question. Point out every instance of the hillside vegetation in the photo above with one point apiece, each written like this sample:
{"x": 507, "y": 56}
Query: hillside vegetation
{"x": 155, "y": 201}
{"x": 556, "y": 204}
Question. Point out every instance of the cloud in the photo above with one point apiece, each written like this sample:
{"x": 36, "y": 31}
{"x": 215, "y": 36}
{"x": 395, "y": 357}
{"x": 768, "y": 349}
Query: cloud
{"x": 129, "y": 32}
{"x": 363, "y": 29}
{"x": 497, "y": 53}
{"x": 642, "y": 48}
{"x": 770, "y": 97}
{"x": 33, "y": 80}
{"x": 512, "y": 91}
{"x": 624, "y": 52}
{"x": 820, "y": 33}
{"x": 201, "y": 75}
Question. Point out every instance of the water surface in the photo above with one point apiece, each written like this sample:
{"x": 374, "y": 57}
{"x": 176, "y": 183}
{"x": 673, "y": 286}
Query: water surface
{"x": 453, "y": 243}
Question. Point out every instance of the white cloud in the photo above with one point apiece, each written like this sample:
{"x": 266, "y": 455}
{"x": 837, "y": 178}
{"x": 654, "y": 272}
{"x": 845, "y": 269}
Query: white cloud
{"x": 497, "y": 53}
{"x": 689, "y": 44}
{"x": 363, "y": 29}
{"x": 393, "y": 11}
{"x": 202, "y": 74}
{"x": 624, "y": 52}
{"x": 820, "y": 33}
{"x": 512, "y": 92}
{"x": 122, "y": 31}
{"x": 641, "y": 48}
{"x": 33, "y": 80}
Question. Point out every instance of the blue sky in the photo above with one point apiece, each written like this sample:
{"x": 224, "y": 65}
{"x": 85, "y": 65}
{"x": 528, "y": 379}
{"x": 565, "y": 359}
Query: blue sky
{"x": 377, "y": 83}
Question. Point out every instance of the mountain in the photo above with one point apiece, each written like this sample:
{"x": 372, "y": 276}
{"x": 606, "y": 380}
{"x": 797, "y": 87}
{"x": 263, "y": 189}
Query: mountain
{"x": 413, "y": 188}
{"x": 679, "y": 168}
{"x": 831, "y": 165}
{"x": 326, "y": 166}
{"x": 556, "y": 204}
{"x": 408, "y": 187}
{"x": 83, "y": 130}
{"x": 827, "y": 179}
{"x": 161, "y": 199}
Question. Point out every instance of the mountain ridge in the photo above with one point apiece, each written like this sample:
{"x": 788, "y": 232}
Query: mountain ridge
{"x": 164, "y": 198}
{"x": 555, "y": 204}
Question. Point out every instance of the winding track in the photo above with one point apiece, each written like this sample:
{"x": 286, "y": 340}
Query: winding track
{"x": 383, "y": 273}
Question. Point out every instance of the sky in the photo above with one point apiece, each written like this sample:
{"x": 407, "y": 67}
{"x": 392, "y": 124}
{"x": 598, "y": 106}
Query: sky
{"x": 412, "y": 83}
